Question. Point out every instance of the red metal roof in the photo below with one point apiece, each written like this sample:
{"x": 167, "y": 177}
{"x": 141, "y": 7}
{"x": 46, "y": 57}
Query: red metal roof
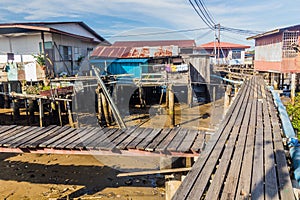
{"x": 179, "y": 43}
{"x": 111, "y": 51}
{"x": 224, "y": 45}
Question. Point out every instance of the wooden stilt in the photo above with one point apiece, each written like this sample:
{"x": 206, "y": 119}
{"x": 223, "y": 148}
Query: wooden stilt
{"x": 227, "y": 98}
{"x": 59, "y": 113}
{"x": 190, "y": 95}
{"x": 105, "y": 109}
{"x": 31, "y": 111}
{"x": 41, "y": 111}
{"x": 171, "y": 106}
{"x": 70, "y": 114}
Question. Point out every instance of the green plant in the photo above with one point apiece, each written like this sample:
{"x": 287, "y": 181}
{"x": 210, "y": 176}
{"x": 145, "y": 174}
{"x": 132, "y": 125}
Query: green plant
{"x": 294, "y": 112}
{"x": 41, "y": 59}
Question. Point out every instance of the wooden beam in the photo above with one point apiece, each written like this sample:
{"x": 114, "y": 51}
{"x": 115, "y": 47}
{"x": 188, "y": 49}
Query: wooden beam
{"x": 162, "y": 171}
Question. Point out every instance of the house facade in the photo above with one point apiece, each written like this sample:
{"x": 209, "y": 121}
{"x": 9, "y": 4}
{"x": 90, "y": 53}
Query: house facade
{"x": 276, "y": 50}
{"x": 65, "y": 45}
{"x": 224, "y": 53}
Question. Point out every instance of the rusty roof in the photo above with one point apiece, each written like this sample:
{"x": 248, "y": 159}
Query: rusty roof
{"x": 111, "y": 51}
{"x": 224, "y": 45}
{"x": 179, "y": 43}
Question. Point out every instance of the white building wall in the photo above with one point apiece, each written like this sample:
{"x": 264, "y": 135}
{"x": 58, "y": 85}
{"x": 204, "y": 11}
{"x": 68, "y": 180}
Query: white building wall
{"x": 270, "y": 52}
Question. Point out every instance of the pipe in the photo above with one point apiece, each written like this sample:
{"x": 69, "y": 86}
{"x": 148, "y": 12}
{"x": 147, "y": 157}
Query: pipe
{"x": 288, "y": 130}
{"x": 228, "y": 80}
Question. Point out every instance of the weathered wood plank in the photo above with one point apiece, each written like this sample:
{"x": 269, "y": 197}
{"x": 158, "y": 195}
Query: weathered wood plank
{"x": 107, "y": 143}
{"x": 218, "y": 178}
{"x": 177, "y": 140}
{"x": 149, "y": 139}
{"x": 271, "y": 188}
{"x": 164, "y": 144}
{"x": 142, "y": 136}
{"x": 188, "y": 141}
{"x": 82, "y": 136}
{"x": 230, "y": 187}
{"x": 91, "y": 137}
{"x": 130, "y": 138}
{"x": 20, "y": 133}
{"x": 206, "y": 158}
{"x": 23, "y": 142}
{"x": 53, "y": 137}
{"x": 257, "y": 188}
{"x": 199, "y": 143}
{"x": 103, "y": 136}
{"x": 244, "y": 185}
{"x": 163, "y": 134}
{"x": 121, "y": 138}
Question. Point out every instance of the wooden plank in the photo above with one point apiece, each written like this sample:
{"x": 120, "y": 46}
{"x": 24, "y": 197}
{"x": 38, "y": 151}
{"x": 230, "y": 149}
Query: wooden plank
{"x": 243, "y": 188}
{"x": 104, "y": 135}
{"x": 130, "y": 138}
{"x": 199, "y": 142}
{"x": 28, "y": 138}
{"x": 271, "y": 187}
{"x": 165, "y": 143}
{"x": 188, "y": 141}
{"x": 61, "y": 137}
{"x": 4, "y": 129}
{"x": 225, "y": 159}
{"x": 6, "y": 142}
{"x": 231, "y": 181}
{"x": 69, "y": 138}
{"x": 53, "y": 137}
{"x": 257, "y": 188}
{"x": 82, "y": 136}
{"x": 149, "y": 139}
{"x": 107, "y": 143}
{"x": 97, "y": 132}
{"x": 177, "y": 140}
{"x": 206, "y": 158}
{"x": 11, "y": 132}
{"x": 163, "y": 134}
{"x": 34, "y": 143}
{"x": 142, "y": 136}
{"x": 120, "y": 138}
{"x": 162, "y": 171}
{"x": 285, "y": 184}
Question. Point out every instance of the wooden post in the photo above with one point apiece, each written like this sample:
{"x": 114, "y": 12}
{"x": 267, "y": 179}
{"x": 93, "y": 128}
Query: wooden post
{"x": 227, "y": 98}
{"x": 16, "y": 110}
{"x": 41, "y": 111}
{"x": 31, "y": 111}
{"x": 105, "y": 109}
{"x": 26, "y": 107}
{"x": 6, "y": 97}
{"x": 214, "y": 96}
{"x": 293, "y": 88}
{"x": 99, "y": 105}
{"x": 171, "y": 106}
{"x": 59, "y": 113}
{"x": 173, "y": 181}
{"x": 190, "y": 95}
{"x": 69, "y": 114}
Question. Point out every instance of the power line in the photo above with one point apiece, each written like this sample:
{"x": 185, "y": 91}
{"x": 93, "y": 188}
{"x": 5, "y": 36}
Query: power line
{"x": 208, "y": 24}
{"x": 158, "y": 33}
{"x": 207, "y": 13}
{"x": 204, "y": 14}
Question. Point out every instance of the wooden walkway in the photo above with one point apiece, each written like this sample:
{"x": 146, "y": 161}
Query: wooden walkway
{"x": 102, "y": 141}
{"x": 245, "y": 158}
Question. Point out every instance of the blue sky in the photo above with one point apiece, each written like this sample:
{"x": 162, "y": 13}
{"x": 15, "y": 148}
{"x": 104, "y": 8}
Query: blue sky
{"x": 116, "y": 19}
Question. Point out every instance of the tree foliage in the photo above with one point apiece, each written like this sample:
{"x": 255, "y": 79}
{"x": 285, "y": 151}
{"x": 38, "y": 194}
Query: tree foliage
{"x": 294, "y": 113}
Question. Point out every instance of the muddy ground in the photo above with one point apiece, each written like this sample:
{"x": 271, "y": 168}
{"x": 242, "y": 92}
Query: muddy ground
{"x": 45, "y": 176}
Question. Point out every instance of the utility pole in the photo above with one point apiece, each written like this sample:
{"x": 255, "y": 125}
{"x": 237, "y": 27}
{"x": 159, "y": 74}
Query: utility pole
{"x": 217, "y": 46}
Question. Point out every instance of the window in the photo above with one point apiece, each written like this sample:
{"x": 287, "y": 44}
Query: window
{"x": 236, "y": 54}
{"x": 65, "y": 52}
{"x": 77, "y": 53}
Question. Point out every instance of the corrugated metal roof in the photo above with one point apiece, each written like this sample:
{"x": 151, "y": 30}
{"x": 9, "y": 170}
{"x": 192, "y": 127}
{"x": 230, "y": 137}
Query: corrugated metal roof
{"x": 135, "y": 52}
{"x": 224, "y": 45}
{"x": 130, "y": 60}
{"x": 179, "y": 43}
{"x": 274, "y": 32}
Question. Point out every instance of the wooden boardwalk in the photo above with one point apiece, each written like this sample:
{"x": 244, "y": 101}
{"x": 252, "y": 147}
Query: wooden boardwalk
{"x": 245, "y": 158}
{"x": 102, "y": 141}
